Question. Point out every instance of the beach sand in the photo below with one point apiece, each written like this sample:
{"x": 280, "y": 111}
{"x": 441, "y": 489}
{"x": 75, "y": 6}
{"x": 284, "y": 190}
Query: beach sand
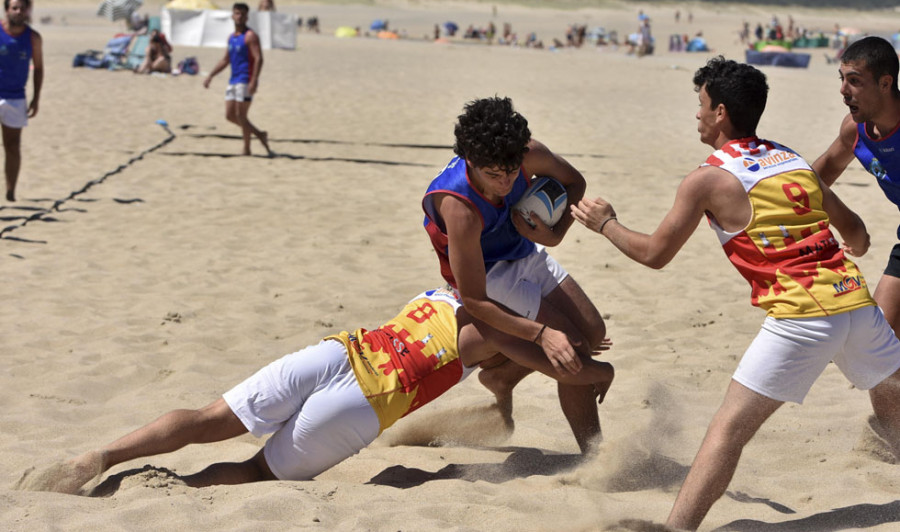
{"x": 170, "y": 269}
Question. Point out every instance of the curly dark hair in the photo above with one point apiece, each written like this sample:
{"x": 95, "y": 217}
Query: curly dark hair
{"x": 741, "y": 88}
{"x": 26, "y": 3}
{"x": 491, "y": 133}
{"x": 878, "y": 55}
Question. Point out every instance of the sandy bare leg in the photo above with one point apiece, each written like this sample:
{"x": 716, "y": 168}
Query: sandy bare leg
{"x": 65, "y": 477}
{"x": 500, "y": 375}
{"x": 264, "y": 138}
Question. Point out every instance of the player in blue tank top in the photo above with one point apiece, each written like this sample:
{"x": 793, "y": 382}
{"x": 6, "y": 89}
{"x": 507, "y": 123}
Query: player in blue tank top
{"x": 488, "y": 253}
{"x": 20, "y": 46}
{"x": 244, "y": 54}
{"x": 869, "y": 133}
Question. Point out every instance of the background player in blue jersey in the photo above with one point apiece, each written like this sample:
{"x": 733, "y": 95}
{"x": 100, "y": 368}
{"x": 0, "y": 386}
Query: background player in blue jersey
{"x": 869, "y": 134}
{"x": 244, "y": 54}
{"x": 21, "y": 46}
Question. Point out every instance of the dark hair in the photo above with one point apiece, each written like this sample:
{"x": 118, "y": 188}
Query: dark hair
{"x": 242, "y": 6}
{"x": 6, "y": 4}
{"x": 741, "y": 88}
{"x": 878, "y": 55}
{"x": 491, "y": 133}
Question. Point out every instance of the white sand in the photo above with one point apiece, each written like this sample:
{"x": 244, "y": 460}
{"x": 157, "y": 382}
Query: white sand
{"x": 168, "y": 282}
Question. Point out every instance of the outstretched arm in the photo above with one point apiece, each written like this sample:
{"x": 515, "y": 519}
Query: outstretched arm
{"x": 831, "y": 164}
{"x": 657, "y": 249}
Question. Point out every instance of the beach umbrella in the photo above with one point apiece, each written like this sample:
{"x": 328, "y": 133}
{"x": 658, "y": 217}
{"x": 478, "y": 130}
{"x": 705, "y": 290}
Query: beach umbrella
{"x": 451, "y": 27}
{"x": 118, "y": 9}
{"x": 377, "y": 24}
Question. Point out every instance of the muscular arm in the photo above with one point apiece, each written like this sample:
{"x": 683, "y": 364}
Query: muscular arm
{"x": 37, "y": 57}
{"x": 463, "y": 227}
{"x": 657, "y": 249}
{"x": 252, "y": 40}
{"x": 540, "y": 161}
{"x": 831, "y": 164}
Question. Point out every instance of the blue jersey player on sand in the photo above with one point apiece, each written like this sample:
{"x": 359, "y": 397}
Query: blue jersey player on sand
{"x": 868, "y": 71}
{"x": 488, "y": 254}
{"x": 20, "y": 46}
{"x": 244, "y": 54}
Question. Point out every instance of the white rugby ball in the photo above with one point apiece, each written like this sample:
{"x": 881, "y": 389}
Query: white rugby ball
{"x": 547, "y": 198}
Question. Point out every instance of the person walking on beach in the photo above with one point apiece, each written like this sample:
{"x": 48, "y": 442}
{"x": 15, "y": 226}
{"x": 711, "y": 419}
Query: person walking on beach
{"x": 325, "y": 403}
{"x": 868, "y": 133}
{"x": 244, "y": 54}
{"x": 773, "y": 216}
{"x": 487, "y": 253}
{"x": 20, "y": 47}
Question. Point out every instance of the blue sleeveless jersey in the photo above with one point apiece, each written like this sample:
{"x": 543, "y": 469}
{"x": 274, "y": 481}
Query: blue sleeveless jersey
{"x": 499, "y": 238}
{"x": 239, "y": 55}
{"x": 15, "y": 58}
{"x": 881, "y": 158}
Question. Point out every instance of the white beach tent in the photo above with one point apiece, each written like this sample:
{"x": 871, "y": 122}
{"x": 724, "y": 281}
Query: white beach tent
{"x": 200, "y": 23}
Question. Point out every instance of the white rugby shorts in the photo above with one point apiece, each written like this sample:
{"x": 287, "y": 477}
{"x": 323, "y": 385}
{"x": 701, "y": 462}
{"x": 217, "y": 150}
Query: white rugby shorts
{"x": 521, "y": 284}
{"x": 239, "y": 92}
{"x": 14, "y": 112}
{"x": 312, "y": 402}
{"x": 788, "y": 355}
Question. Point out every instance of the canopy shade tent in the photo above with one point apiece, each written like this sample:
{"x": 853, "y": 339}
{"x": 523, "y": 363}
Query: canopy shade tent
{"x": 191, "y": 4}
{"x": 118, "y": 9}
{"x": 211, "y": 27}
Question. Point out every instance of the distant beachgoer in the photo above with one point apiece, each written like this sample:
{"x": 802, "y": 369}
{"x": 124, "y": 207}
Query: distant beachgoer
{"x": 158, "y": 57}
{"x": 266, "y": 5}
{"x": 244, "y": 54}
{"x": 22, "y": 47}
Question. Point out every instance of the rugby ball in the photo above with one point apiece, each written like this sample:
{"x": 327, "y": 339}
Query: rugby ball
{"x": 545, "y": 197}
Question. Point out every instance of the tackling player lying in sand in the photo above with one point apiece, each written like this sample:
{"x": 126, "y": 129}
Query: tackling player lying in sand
{"x": 327, "y": 402}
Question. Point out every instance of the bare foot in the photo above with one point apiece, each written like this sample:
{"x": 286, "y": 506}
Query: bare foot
{"x": 64, "y": 477}
{"x": 264, "y": 138}
{"x": 502, "y": 392}
{"x": 875, "y": 442}
{"x": 600, "y": 389}
{"x": 10, "y": 195}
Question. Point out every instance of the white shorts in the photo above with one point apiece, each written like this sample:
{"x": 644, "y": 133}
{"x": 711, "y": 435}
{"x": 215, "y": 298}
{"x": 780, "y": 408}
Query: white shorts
{"x": 14, "y": 113}
{"x": 311, "y": 400}
{"x": 788, "y": 355}
{"x": 521, "y": 284}
{"x": 239, "y": 92}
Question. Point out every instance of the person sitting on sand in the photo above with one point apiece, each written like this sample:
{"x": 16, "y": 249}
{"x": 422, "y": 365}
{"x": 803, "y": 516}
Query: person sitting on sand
{"x": 158, "y": 57}
{"x": 325, "y": 403}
